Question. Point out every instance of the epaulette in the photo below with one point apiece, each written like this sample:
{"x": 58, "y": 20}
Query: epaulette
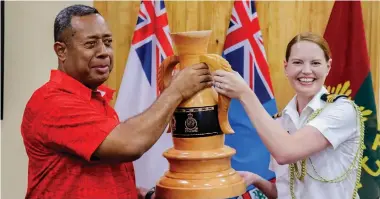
{"x": 277, "y": 115}
{"x": 330, "y": 98}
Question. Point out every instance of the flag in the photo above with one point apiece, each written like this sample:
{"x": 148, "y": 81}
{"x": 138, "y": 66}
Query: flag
{"x": 350, "y": 75}
{"x": 151, "y": 44}
{"x": 244, "y": 50}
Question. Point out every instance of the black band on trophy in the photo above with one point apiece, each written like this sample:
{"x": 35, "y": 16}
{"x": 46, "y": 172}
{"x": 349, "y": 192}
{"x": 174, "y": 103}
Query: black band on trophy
{"x": 196, "y": 122}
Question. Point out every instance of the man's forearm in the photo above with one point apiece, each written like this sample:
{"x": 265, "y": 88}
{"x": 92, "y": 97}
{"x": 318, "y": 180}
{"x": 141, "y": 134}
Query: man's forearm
{"x": 146, "y": 128}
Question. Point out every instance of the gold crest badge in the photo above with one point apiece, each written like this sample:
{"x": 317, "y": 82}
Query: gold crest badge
{"x": 191, "y": 124}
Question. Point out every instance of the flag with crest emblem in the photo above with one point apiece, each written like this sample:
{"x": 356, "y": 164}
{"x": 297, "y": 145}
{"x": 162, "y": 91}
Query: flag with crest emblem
{"x": 350, "y": 75}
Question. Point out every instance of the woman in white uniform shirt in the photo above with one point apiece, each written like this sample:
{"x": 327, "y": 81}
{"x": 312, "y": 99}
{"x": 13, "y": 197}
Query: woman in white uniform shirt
{"x": 315, "y": 142}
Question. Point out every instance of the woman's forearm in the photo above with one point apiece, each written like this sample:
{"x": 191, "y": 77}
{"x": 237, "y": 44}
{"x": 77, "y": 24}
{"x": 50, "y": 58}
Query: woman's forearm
{"x": 275, "y": 138}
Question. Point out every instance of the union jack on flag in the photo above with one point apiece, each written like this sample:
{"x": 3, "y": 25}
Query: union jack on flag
{"x": 151, "y": 38}
{"x": 244, "y": 47}
{"x": 151, "y": 44}
{"x": 244, "y": 50}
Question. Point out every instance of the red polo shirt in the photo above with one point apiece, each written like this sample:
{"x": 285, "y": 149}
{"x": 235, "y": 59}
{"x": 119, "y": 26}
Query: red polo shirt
{"x": 63, "y": 124}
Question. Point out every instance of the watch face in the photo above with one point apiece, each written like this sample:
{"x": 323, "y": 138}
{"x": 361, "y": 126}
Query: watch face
{"x": 150, "y": 193}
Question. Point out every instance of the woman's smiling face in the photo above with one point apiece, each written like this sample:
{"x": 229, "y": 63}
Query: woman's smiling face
{"x": 307, "y": 68}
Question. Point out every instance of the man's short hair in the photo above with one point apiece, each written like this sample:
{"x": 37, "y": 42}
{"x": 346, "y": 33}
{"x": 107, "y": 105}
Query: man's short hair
{"x": 63, "y": 19}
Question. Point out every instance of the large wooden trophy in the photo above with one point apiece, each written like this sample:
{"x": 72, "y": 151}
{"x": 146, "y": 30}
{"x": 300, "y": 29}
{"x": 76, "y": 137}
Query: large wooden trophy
{"x": 199, "y": 162}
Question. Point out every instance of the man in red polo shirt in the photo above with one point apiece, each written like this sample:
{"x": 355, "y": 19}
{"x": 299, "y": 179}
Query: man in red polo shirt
{"x": 77, "y": 147}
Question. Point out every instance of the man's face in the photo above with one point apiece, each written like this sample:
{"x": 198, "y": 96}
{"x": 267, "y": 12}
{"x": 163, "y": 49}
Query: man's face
{"x": 89, "y": 53}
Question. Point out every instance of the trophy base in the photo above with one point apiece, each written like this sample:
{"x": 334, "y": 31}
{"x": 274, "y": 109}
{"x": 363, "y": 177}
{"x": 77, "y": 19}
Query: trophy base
{"x": 215, "y": 185}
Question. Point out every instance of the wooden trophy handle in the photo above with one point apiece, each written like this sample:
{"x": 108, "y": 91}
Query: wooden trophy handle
{"x": 165, "y": 76}
{"x": 165, "y": 72}
{"x": 217, "y": 62}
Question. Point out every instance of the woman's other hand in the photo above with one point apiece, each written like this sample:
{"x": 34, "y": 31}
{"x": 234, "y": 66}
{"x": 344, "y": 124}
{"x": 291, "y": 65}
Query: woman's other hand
{"x": 249, "y": 177}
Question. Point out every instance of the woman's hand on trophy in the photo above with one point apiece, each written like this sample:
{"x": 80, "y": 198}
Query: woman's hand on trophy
{"x": 191, "y": 79}
{"x": 230, "y": 84}
{"x": 249, "y": 177}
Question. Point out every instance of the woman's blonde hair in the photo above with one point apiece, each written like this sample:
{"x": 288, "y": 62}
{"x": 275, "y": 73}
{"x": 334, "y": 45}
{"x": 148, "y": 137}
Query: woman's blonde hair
{"x": 311, "y": 37}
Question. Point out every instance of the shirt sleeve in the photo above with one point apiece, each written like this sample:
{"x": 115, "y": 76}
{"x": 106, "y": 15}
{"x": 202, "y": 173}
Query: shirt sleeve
{"x": 272, "y": 161}
{"x": 75, "y": 126}
{"x": 271, "y": 164}
{"x": 337, "y": 122}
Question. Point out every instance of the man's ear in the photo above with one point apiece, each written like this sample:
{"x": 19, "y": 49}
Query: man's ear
{"x": 60, "y": 49}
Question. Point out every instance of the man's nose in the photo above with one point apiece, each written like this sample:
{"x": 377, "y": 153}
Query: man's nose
{"x": 102, "y": 51}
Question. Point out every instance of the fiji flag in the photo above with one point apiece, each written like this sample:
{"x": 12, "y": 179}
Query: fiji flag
{"x": 245, "y": 52}
{"x": 151, "y": 44}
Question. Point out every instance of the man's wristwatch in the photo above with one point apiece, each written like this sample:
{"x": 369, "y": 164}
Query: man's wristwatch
{"x": 150, "y": 193}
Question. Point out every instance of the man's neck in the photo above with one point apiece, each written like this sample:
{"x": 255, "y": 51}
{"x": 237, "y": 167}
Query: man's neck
{"x": 93, "y": 88}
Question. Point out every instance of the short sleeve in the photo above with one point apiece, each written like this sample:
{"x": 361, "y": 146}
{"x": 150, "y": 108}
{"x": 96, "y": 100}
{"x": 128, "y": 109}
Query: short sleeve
{"x": 271, "y": 164}
{"x": 337, "y": 122}
{"x": 75, "y": 126}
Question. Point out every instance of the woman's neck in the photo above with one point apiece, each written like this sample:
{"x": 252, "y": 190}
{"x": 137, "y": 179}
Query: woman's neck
{"x": 301, "y": 102}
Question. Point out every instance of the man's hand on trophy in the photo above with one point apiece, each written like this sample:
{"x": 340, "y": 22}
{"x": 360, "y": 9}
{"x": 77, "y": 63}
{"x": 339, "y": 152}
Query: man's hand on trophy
{"x": 191, "y": 79}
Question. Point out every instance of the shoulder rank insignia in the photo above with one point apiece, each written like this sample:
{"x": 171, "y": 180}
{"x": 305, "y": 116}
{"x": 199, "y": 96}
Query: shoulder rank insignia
{"x": 330, "y": 98}
{"x": 277, "y": 115}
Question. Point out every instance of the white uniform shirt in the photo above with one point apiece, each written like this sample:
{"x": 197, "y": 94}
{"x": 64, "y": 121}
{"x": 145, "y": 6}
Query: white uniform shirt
{"x": 338, "y": 122}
